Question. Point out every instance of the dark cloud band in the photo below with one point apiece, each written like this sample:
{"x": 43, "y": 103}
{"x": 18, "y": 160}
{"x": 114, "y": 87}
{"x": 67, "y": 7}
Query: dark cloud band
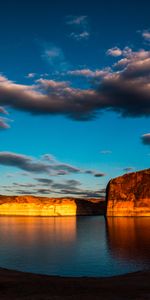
{"x": 126, "y": 92}
{"x": 146, "y": 139}
{"x": 50, "y": 167}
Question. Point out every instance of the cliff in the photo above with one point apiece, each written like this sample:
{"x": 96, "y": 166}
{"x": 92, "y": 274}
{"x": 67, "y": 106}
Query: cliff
{"x": 129, "y": 195}
{"x": 43, "y": 206}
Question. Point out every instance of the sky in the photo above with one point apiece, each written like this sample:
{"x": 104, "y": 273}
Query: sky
{"x": 74, "y": 95}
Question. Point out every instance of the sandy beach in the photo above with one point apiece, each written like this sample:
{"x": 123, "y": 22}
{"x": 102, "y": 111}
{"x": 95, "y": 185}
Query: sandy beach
{"x": 18, "y": 285}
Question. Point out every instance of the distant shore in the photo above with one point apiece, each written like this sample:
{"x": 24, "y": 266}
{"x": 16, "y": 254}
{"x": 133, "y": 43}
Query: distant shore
{"x": 17, "y": 285}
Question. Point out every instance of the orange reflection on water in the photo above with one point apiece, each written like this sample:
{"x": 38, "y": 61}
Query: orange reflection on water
{"x": 128, "y": 237}
{"x": 29, "y": 230}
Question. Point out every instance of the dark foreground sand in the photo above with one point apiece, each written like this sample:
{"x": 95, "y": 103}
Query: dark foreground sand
{"x": 18, "y": 285}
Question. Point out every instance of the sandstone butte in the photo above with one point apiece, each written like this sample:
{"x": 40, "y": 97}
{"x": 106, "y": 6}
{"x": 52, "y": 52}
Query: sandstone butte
{"x": 43, "y": 206}
{"x": 129, "y": 195}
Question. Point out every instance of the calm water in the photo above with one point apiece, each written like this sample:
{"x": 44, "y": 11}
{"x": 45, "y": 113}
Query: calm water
{"x": 83, "y": 246}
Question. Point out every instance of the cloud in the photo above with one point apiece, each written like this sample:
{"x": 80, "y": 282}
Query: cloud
{"x": 4, "y": 123}
{"x": 44, "y": 181}
{"x": 48, "y": 157}
{"x": 128, "y": 169}
{"x": 83, "y": 193}
{"x": 146, "y": 35}
{"x": 61, "y": 172}
{"x": 76, "y": 20}
{"x": 30, "y": 164}
{"x": 30, "y": 75}
{"x": 125, "y": 91}
{"x": 128, "y": 91}
{"x": 55, "y": 57}
{"x": 146, "y": 139}
{"x": 84, "y": 35}
{"x": 93, "y": 172}
{"x": 27, "y": 185}
{"x": 89, "y": 73}
{"x": 3, "y": 111}
{"x": 114, "y": 52}
{"x": 48, "y": 183}
{"x": 66, "y": 167}
{"x": 17, "y": 174}
{"x": 73, "y": 184}
{"x": 80, "y": 23}
{"x": 76, "y": 193}
{"x": 48, "y": 97}
{"x": 23, "y": 162}
{"x": 44, "y": 186}
{"x": 130, "y": 56}
{"x": 52, "y": 86}
{"x": 68, "y": 184}
{"x": 99, "y": 174}
{"x": 105, "y": 151}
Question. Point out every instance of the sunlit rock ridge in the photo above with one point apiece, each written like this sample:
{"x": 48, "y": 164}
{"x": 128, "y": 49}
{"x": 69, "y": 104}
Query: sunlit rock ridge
{"x": 129, "y": 195}
{"x": 43, "y": 206}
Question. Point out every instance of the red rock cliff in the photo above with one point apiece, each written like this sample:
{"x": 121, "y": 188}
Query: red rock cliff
{"x": 43, "y": 206}
{"x": 129, "y": 195}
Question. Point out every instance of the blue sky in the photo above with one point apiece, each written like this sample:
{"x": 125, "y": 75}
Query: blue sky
{"x": 74, "y": 95}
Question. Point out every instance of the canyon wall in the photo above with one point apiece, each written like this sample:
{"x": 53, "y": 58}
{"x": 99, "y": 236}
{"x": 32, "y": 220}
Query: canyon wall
{"x": 43, "y": 206}
{"x": 129, "y": 195}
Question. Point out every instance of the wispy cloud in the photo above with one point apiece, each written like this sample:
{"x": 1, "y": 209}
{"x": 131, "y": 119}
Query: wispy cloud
{"x": 33, "y": 165}
{"x": 95, "y": 173}
{"x": 84, "y": 35}
{"x": 77, "y": 20}
{"x": 81, "y": 27}
{"x": 128, "y": 169}
{"x": 146, "y": 35}
{"x": 69, "y": 191}
{"x": 89, "y": 73}
{"x": 4, "y": 123}
{"x": 38, "y": 166}
{"x": 54, "y": 55}
{"x": 106, "y": 152}
{"x": 44, "y": 181}
{"x": 3, "y": 111}
{"x": 30, "y": 75}
{"x": 84, "y": 193}
{"x": 46, "y": 186}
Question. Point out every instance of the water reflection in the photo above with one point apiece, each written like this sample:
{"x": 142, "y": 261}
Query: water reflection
{"x": 22, "y": 230}
{"x": 70, "y": 246}
{"x": 36, "y": 244}
{"x": 128, "y": 237}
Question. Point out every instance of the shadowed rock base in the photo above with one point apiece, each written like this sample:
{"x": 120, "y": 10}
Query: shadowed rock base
{"x": 129, "y": 195}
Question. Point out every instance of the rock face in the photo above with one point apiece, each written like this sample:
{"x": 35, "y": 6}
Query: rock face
{"x": 129, "y": 195}
{"x": 42, "y": 206}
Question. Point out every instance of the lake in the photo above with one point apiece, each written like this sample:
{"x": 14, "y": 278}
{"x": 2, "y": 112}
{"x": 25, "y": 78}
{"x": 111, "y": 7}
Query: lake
{"x": 70, "y": 246}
